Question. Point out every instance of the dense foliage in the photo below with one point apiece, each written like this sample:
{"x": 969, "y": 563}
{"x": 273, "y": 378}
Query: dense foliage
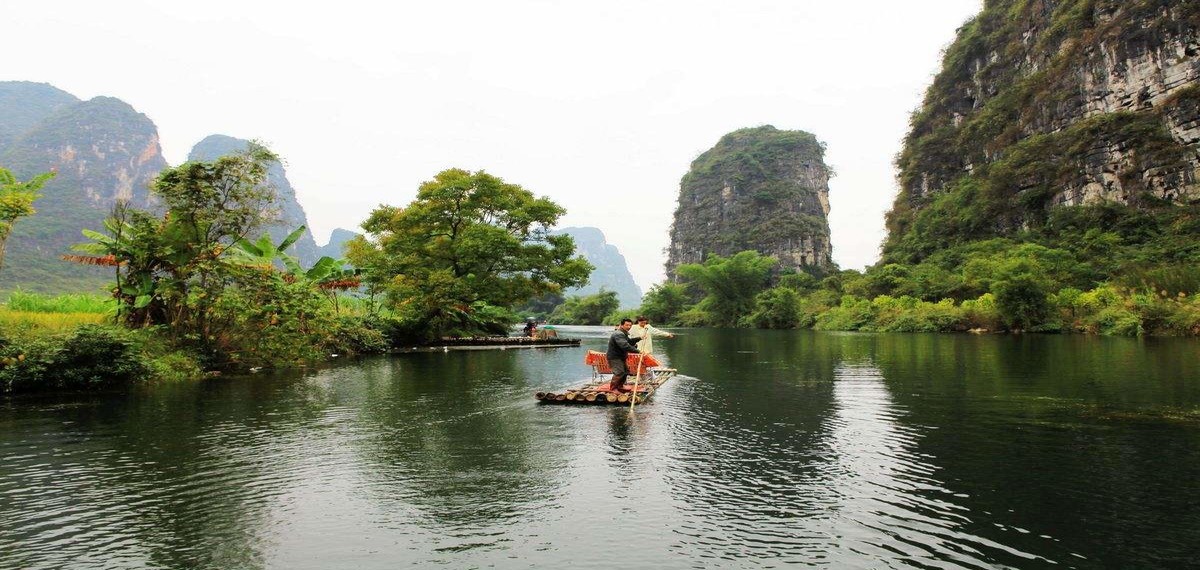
{"x": 463, "y": 253}
{"x": 999, "y": 286}
{"x": 729, "y": 286}
{"x": 586, "y": 309}
{"x": 16, "y": 202}
{"x": 192, "y": 271}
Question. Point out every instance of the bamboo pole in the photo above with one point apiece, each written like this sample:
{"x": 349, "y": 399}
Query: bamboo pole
{"x": 637, "y": 379}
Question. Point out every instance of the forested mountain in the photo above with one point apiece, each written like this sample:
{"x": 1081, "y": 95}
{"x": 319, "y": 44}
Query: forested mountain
{"x": 102, "y": 149}
{"x": 290, "y": 214}
{"x": 611, "y": 272}
{"x": 1071, "y": 123}
{"x": 759, "y": 189}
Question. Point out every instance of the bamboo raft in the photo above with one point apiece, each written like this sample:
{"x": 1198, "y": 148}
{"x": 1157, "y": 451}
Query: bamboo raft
{"x": 597, "y": 391}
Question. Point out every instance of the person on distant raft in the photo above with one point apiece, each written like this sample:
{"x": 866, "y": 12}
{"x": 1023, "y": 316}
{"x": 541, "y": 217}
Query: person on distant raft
{"x": 620, "y": 346}
{"x": 645, "y": 334}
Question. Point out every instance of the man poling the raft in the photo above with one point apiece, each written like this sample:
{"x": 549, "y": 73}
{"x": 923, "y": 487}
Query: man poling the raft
{"x": 621, "y": 359}
{"x": 619, "y": 347}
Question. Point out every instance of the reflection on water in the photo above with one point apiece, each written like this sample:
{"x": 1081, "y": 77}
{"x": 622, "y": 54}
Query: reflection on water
{"x": 772, "y": 449}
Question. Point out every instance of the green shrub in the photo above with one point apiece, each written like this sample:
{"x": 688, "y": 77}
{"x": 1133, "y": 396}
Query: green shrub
{"x": 352, "y": 335}
{"x": 775, "y": 308}
{"x": 586, "y": 310}
{"x": 693, "y": 317}
{"x": 982, "y": 313}
{"x": 1022, "y": 299}
{"x": 908, "y": 314}
{"x": 851, "y": 315}
{"x": 1116, "y": 321}
{"x": 175, "y": 366}
{"x": 396, "y": 332}
{"x": 663, "y": 303}
{"x": 99, "y": 357}
{"x": 1185, "y": 319}
{"x": 94, "y": 357}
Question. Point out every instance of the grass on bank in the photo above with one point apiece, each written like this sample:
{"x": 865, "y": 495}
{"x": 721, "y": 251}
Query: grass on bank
{"x": 69, "y": 342}
{"x": 76, "y": 303}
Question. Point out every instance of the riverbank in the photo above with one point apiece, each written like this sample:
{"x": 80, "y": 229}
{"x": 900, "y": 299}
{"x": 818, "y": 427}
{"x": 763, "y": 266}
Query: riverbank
{"x": 70, "y": 343}
{"x": 1106, "y": 310}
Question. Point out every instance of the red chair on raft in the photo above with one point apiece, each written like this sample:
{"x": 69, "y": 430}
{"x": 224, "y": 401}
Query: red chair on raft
{"x": 635, "y": 363}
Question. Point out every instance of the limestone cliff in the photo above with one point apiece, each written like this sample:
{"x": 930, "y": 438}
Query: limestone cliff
{"x": 102, "y": 149}
{"x": 1047, "y": 103}
{"x": 758, "y": 189}
{"x": 289, "y": 215}
{"x": 611, "y": 272}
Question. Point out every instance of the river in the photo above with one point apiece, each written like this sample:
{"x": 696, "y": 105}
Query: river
{"x": 772, "y": 449}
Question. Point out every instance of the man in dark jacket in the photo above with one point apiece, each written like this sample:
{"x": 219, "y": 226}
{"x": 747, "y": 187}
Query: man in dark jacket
{"x": 619, "y": 346}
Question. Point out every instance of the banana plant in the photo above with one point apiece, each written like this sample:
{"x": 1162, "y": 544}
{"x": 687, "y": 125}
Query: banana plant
{"x": 264, "y": 252}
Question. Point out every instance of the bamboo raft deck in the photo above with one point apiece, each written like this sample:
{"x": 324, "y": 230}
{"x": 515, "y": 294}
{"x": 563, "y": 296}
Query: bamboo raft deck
{"x": 597, "y": 392}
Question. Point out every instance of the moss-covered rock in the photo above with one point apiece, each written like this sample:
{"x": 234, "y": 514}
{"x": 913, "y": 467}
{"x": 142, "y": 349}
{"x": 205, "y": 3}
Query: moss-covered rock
{"x": 759, "y": 189}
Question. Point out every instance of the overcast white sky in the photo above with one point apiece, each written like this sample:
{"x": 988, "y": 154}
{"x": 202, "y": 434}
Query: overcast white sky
{"x": 599, "y": 105}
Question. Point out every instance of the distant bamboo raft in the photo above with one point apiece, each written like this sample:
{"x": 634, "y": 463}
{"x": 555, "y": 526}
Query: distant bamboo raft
{"x": 446, "y": 344}
{"x": 597, "y": 392}
{"x": 504, "y": 341}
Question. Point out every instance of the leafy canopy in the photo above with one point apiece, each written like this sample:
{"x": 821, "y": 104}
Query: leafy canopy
{"x": 469, "y": 239}
{"x": 586, "y": 310}
{"x": 729, "y": 283}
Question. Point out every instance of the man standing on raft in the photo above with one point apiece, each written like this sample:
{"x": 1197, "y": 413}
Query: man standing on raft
{"x": 620, "y": 346}
{"x": 642, "y": 331}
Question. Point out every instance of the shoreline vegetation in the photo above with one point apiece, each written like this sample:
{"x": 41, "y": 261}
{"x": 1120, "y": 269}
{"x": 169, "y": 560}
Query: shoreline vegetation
{"x": 195, "y": 293}
{"x": 998, "y": 286}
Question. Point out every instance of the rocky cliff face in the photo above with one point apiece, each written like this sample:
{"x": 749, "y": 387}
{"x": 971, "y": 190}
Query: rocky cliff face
{"x": 758, "y": 189}
{"x": 611, "y": 271}
{"x": 1046, "y": 103}
{"x": 102, "y": 149}
{"x": 290, "y": 214}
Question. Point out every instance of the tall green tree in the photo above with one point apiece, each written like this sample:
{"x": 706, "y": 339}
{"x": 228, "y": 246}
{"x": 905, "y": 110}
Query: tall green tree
{"x": 586, "y": 310}
{"x": 729, "y": 284}
{"x": 16, "y": 202}
{"x": 173, "y": 269}
{"x": 468, "y": 241}
{"x": 663, "y": 302}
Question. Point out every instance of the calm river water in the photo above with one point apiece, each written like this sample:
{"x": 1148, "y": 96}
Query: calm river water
{"x": 773, "y": 449}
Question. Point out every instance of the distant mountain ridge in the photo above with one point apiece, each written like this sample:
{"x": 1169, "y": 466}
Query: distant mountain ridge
{"x": 24, "y": 104}
{"x": 612, "y": 273}
{"x": 102, "y": 149}
{"x": 337, "y": 242}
